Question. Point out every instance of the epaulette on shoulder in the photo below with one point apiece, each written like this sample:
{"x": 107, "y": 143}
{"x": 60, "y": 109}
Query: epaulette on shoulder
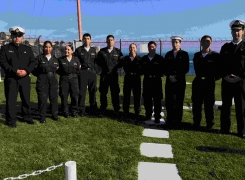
{"x": 104, "y": 48}
{"x": 27, "y": 45}
{"x": 117, "y": 49}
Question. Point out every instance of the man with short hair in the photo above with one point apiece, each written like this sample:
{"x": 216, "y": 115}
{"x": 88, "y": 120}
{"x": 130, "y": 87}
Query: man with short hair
{"x": 206, "y": 66}
{"x": 233, "y": 83}
{"x": 87, "y": 74}
{"x": 18, "y": 62}
{"x": 152, "y": 69}
{"x": 107, "y": 59}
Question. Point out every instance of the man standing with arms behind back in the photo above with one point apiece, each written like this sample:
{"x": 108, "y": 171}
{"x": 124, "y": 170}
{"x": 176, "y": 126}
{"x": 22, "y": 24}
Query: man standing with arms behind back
{"x": 233, "y": 83}
{"x": 18, "y": 62}
{"x": 87, "y": 74}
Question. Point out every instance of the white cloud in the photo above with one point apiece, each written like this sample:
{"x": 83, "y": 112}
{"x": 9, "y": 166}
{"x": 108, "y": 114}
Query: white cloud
{"x": 102, "y": 36}
{"x": 73, "y": 30}
{"x": 43, "y": 32}
{"x": 219, "y": 30}
{"x": 3, "y": 24}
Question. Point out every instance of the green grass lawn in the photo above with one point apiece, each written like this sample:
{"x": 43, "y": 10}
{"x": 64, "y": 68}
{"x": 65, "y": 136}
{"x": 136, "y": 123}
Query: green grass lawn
{"x": 110, "y": 150}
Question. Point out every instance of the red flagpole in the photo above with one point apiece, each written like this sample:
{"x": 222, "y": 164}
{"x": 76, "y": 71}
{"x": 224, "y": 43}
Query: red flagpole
{"x": 79, "y": 19}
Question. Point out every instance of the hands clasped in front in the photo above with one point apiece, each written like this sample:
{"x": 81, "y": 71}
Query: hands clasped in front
{"x": 232, "y": 78}
{"x": 172, "y": 78}
{"x": 21, "y": 73}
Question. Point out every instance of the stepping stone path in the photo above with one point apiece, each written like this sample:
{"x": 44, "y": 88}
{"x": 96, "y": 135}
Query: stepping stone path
{"x": 154, "y": 170}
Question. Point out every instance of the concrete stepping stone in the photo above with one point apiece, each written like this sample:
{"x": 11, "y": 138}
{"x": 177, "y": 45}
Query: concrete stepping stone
{"x": 156, "y": 133}
{"x": 156, "y": 150}
{"x": 157, "y": 171}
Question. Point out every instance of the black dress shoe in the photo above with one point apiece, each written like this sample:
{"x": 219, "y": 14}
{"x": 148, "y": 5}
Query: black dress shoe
{"x": 74, "y": 115}
{"x": 66, "y": 115}
{"x": 11, "y": 125}
{"x": 116, "y": 115}
{"x": 82, "y": 113}
{"x": 224, "y": 132}
{"x": 196, "y": 126}
{"x": 147, "y": 118}
{"x": 28, "y": 120}
{"x": 209, "y": 126}
{"x": 55, "y": 118}
{"x": 43, "y": 120}
{"x": 157, "y": 121}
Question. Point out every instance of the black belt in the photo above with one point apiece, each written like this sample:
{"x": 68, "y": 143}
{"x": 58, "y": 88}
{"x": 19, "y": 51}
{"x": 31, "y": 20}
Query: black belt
{"x": 71, "y": 74}
{"x": 131, "y": 74}
{"x": 151, "y": 76}
{"x": 49, "y": 73}
{"x": 204, "y": 78}
{"x": 86, "y": 69}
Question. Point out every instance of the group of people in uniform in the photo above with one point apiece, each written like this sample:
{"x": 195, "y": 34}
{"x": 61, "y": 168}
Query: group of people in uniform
{"x": 77, "y": 72}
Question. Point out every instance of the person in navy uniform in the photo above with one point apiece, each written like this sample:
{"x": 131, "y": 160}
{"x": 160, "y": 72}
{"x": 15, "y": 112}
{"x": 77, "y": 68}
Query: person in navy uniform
{"x": 233, "y": 83}
{"x": 18, "y": 62}
{"x": 107, "y": 59}
{"x": 132, "y": 81}
{"x": 69, "y": 67}
{"x": 206, "y": 66}
{"x": 176, "y": 67}
{"x": 152, "y": 69}
{"x": 87, "y": 74}
{"x": 47, "y": 82}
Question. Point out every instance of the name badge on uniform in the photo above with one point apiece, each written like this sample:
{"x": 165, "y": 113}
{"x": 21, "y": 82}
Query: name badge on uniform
{"x": 92, "y": 54}
{"x": 75, "y": 64}
{"x": 42, "y": 62}
{"x": 82, "y": 53}
{"x": 11, "y": 51}
{"x": 63, "y": 63}
{"x": 55, "y": 63}
{"x": 115, "y": 55}
{"x": 24, "y": 52}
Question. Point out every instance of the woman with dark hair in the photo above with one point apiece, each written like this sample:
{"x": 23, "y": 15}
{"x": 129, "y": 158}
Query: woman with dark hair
{"x": 47, "y": 82}
{"x": 69, "y": 66}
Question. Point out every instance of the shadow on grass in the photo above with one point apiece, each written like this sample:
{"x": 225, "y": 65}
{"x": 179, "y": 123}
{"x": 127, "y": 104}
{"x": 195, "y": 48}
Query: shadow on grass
{"x": 220, "y": 150}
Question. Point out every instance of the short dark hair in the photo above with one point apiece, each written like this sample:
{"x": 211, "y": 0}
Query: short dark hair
{"x": 45, "y": 43}
{"x": 206, "y": 36}
{"x": 86, "y": 34}
{"x": 110, "y": 36}
{"x": 152, "y": 42}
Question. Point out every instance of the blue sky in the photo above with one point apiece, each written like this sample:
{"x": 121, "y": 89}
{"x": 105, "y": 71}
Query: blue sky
{"x": 135, "y": 19}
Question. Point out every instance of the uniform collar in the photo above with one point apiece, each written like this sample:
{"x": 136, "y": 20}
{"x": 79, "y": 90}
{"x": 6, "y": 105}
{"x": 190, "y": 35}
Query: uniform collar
{"x": 237, "y": 42}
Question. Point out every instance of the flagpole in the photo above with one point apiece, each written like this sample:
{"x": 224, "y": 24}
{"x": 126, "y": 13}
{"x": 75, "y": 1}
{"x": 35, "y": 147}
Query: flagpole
{"x": 79, "y": 19}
